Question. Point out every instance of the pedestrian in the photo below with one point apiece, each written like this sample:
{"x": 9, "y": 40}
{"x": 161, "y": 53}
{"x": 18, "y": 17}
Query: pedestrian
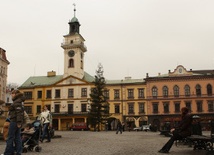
{"x": 123, "y": 126}
{"x": 119, "y": 127}
{"x": 46, "y": 121}
{"x": 181, "y": 131}
{"x": 16, "y": 115}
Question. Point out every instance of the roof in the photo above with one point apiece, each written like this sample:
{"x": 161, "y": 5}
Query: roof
{"x": 38, "y": 81}
{"x": 35, "y": 81}
{"x": 74, "y": 19}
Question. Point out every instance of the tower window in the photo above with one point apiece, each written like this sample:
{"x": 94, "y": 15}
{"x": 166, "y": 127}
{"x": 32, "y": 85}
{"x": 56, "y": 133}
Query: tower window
{"x": 71, "y": 63}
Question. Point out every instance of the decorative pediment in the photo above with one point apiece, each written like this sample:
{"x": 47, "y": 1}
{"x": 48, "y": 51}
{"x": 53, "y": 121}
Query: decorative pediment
{"x": 180, "y": 71}
{"x": 71, "y": 80}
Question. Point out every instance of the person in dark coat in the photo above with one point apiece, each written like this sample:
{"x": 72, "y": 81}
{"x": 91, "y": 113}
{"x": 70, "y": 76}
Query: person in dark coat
{"x": 119, "y": 127}
{"x": 183, "y": 130}
{"x": 16, "y": 116}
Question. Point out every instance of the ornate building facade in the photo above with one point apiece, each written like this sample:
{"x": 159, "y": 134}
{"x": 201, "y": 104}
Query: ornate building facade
{"x": 168, "y": 93}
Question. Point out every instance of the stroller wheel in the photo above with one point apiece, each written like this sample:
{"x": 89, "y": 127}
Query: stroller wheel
{"x": 24, "y": 150}
{"x": 30, "y": 148}
{"x": 38, "y": 149}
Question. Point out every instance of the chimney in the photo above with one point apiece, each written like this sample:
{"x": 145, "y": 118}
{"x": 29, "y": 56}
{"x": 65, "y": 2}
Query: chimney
{"x": 147, "y": 75}
{"x": 51, "y": 73}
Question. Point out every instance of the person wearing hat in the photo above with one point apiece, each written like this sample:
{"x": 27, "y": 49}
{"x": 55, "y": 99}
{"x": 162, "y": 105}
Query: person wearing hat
{"x": 16, "y": 115}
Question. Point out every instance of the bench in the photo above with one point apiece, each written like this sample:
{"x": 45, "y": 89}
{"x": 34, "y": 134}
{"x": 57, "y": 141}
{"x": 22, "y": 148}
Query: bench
{"x": 203, "y": 142}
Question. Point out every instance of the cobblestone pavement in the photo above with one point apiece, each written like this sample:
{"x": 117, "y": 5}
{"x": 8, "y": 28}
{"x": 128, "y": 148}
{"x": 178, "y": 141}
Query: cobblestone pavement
{"x": 108, "y": 143}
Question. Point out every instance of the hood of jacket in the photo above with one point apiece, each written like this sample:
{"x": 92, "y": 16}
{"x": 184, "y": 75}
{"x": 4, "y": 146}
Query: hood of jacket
{"x": 19, "y": 98}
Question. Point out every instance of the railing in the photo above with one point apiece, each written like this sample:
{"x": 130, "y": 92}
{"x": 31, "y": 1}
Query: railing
{"x": 74, "y": 44}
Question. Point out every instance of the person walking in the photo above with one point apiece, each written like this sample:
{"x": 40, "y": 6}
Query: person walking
{"x": 46, "y": 120}
{"x": 181, "y": 131}
{"x": 16, "y": 116}
{"x": 119, "y": 127}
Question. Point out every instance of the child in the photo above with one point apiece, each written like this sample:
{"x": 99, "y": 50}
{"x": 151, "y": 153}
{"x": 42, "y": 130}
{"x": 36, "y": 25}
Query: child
{"x": 28, "y": 131}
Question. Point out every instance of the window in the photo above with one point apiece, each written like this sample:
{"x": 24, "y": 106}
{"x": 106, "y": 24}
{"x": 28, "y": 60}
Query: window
{"x": 199, "y": 106}
{"x": 38, "y": 109}
{"x": 141, "y": 93}
{"x": 177, "y": 107}
{"x": 116, "y": 108}
{"x": 141, "y": 108}
{"x": 155, "y": 107}
{"x": 56, "y": 108}
{"x": 57, "y": 93}
{"x": 131, "y": 108}
{"x": 154, "y": 92}
{"x": 83, "y": 108}
{"x": 166, "y": 107}
{"x": 209, "y": 90}
{"x": 39, "y": 94}
{"x": 130, "y": 93}
{"x": 187, "y": 90}
{"x": 48, "y": 107}
{"x": 81, "y": 64}
{"x": 48, "y": 93}
{"x": 70, "y": 93}
{"x": 176, "y": 91}
{"x": 84, "y": 92}
{"x": 198, "y": 90}
{"x": 165, "y": 91}
{"x": 210, "y": 106}
{"x": 71, "y": 63}
{"x": 188, "y": 105}
{"x": 28, "y": 95}
{"x": 70, "y": 108}
{"x": 106, "y": 94}
{"x": 116, "y": 94}
{"x": 28, "y": 109}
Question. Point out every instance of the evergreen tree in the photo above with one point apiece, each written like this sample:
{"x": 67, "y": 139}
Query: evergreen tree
{"x": 99, "y": 112}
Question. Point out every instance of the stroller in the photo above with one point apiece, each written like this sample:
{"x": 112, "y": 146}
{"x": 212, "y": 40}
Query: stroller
{"x": 30, "y": 141}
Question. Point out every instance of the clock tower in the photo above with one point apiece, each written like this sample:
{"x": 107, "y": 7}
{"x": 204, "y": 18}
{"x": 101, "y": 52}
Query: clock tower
{"x": 74, "y": 50}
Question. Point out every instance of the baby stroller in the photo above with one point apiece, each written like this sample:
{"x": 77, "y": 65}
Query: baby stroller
{"x": 30, "y": 141}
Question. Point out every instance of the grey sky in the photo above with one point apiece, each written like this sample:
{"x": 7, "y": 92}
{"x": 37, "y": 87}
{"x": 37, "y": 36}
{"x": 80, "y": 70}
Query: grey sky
{"x": 128, "y": 37}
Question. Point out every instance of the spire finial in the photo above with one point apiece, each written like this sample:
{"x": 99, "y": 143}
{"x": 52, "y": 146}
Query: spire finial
{"x": 74, "y": 9}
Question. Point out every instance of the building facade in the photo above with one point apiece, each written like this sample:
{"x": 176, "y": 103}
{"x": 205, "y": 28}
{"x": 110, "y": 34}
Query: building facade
{"x": 3, "y": 85}
{"x": 168, "y": 93}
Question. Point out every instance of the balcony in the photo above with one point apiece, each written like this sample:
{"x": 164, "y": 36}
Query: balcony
{"x": 74, "y": 45}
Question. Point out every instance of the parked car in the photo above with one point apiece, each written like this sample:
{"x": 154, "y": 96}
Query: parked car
{"x": 79, "y": 126}
{"x": 142, "y": 128}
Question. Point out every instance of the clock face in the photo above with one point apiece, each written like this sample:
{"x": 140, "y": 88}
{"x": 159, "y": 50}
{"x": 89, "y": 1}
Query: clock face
{"x": 71, "y": 53}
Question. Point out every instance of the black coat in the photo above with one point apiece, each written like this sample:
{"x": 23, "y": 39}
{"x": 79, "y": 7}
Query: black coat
{"x": 184, "y": 127}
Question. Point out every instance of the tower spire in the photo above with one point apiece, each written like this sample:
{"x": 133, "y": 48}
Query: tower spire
{"x": 74, "y": 9}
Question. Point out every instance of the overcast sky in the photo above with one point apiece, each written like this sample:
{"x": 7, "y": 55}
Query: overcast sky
{"x": 128, "y": 37}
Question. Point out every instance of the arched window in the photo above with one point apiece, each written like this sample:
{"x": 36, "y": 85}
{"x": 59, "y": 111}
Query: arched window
{"x": 198, "y": 90}
{"x": 187, "y": 90}
{"x": 209, "y": 90}
{"x": 71, "y": 63}
{"x": 176, "y": 91}
{"x": 154, "y": 91}
{"x": 165, "y": 91}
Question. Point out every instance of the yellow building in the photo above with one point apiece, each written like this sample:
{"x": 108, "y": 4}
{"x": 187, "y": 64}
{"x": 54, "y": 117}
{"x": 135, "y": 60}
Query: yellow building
{"x": 127, "y": 101}
{"x": 66, "y": 95}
